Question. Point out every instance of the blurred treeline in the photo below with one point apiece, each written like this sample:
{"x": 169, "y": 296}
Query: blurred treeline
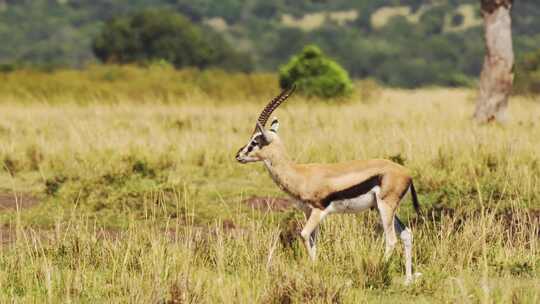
{"x": 405, "y": 43}
{"x": 156, "y": 82}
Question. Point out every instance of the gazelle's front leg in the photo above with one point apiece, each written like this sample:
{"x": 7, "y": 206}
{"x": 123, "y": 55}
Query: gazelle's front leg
{"x": 309, "y": 233}
{"x": 312, "y": 246}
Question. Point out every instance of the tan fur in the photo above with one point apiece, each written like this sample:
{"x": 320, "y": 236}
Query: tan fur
{"x": 311, "y": 183}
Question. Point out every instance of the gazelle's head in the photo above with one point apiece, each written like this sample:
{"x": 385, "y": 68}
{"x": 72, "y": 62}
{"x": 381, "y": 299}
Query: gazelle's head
{"x": 262, "y": 141}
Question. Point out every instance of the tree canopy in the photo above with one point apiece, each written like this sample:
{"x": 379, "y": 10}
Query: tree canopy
{"x": 161, "y": 35}
{"x": 528, "y": 74}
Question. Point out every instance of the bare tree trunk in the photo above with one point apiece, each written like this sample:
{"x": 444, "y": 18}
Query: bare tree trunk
{"x": 496, "y": 77}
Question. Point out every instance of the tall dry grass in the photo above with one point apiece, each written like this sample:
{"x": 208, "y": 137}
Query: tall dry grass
{"x": 113, "y": 84}
{"x": 141, "y": 199}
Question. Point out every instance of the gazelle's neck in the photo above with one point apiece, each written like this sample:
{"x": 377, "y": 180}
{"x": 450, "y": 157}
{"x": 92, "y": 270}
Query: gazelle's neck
{"x": 283, "y": 170}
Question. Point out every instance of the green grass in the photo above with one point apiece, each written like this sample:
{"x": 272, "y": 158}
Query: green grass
{"x": 134, "y": 194}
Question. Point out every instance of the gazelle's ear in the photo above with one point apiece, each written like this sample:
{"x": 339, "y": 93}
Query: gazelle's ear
{"x": 274, "y": 127}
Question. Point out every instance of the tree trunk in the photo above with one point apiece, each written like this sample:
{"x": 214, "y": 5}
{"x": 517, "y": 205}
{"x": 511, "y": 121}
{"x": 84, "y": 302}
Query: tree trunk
{"x": 496, "y": 77}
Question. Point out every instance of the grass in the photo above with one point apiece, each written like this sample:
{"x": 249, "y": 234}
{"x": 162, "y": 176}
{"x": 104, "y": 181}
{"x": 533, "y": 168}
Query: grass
{"x": 141, "y": 199}
{"x": 158, "y": 82}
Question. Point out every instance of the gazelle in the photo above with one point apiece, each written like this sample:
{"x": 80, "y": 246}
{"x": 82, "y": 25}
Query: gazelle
{"x": 323, "y": 189}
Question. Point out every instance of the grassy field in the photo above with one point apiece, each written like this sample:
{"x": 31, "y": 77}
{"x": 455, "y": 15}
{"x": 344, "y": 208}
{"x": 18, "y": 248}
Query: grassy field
{"x": 119, "y": 186}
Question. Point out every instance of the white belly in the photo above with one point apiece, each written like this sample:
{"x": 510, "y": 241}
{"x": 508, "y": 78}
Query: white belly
{"x": 355, "y": 204}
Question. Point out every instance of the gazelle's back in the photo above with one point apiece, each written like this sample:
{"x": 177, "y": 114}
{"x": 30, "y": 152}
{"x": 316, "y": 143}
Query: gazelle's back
{"x": 367, "y": 168}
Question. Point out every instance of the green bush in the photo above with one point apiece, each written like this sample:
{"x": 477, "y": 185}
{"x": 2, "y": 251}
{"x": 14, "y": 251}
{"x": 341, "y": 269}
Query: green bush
{"x": 528, "y": 74}
{"x": 314, "y": 74}
{"x": 154, "y": 35}
{"x": 7, "y": 67}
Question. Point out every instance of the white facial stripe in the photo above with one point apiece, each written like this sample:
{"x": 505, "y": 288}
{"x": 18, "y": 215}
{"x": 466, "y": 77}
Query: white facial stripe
{"x": 256, "y": 142}
{"x": 252, "y": 145}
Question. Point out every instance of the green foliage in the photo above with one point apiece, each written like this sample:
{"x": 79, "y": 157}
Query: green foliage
{"x": 161, "y": 35}
{"x": 528, "y": 74}
{"x": 315, "y": 74}
{"x": 60, "y": 33}
{"x": 432, "y": 21}
{"x": 7, "y": 67}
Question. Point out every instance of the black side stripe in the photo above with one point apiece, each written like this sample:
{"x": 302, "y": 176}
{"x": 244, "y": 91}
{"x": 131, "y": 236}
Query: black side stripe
{"x": 353, "y": 191}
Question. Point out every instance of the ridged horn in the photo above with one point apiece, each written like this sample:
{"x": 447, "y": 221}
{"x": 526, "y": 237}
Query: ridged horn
{"x": 273, "y": 104}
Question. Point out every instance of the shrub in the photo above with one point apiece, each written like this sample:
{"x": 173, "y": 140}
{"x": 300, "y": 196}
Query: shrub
{"x": 528, "y": 74}
{"x": 154, "y": 35}
{"x": 7, "y": 67}
{"x": 315, "y": 74}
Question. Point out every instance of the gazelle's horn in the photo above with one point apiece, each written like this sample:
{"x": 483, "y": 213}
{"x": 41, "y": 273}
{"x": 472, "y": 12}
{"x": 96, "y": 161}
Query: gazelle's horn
{"x": 272, "y": 105}
{"x": 261, "y": 129}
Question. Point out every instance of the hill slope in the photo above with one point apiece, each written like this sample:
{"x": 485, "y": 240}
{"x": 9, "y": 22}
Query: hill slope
{"x": 401, "y": 43}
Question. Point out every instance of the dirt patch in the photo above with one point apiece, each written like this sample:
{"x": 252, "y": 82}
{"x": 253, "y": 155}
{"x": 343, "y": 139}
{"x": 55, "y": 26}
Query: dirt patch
{"x": 269, "y": 203}
{"x": 290, "y": 232}
{"x": 10, "y": 234}
{"x": 516, "y": 220}
{"x": 7, "y": 235}
{"x": 10, "y": 201}
{"x": 228, "y": 225}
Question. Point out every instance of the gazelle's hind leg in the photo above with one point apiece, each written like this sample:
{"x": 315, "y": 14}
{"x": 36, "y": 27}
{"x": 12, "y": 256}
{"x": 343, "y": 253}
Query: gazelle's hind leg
{"x": 407, "y": 239}
{"x": 387, "y": 218}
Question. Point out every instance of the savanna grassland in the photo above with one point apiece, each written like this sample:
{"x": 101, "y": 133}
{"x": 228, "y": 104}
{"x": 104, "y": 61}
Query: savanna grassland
{"x": 120, "y": 185}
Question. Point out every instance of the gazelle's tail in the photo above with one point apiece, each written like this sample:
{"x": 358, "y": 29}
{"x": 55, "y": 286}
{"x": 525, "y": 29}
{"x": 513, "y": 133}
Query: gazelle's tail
{"x": 415, "y": 199}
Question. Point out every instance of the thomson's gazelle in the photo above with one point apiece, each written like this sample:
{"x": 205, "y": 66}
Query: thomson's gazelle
{"x": 323, "y": 189}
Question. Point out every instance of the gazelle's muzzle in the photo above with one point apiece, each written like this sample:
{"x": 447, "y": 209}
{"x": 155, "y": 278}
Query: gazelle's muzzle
{"x": 240, "y": 155}
{"x": 240, "y": 159}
